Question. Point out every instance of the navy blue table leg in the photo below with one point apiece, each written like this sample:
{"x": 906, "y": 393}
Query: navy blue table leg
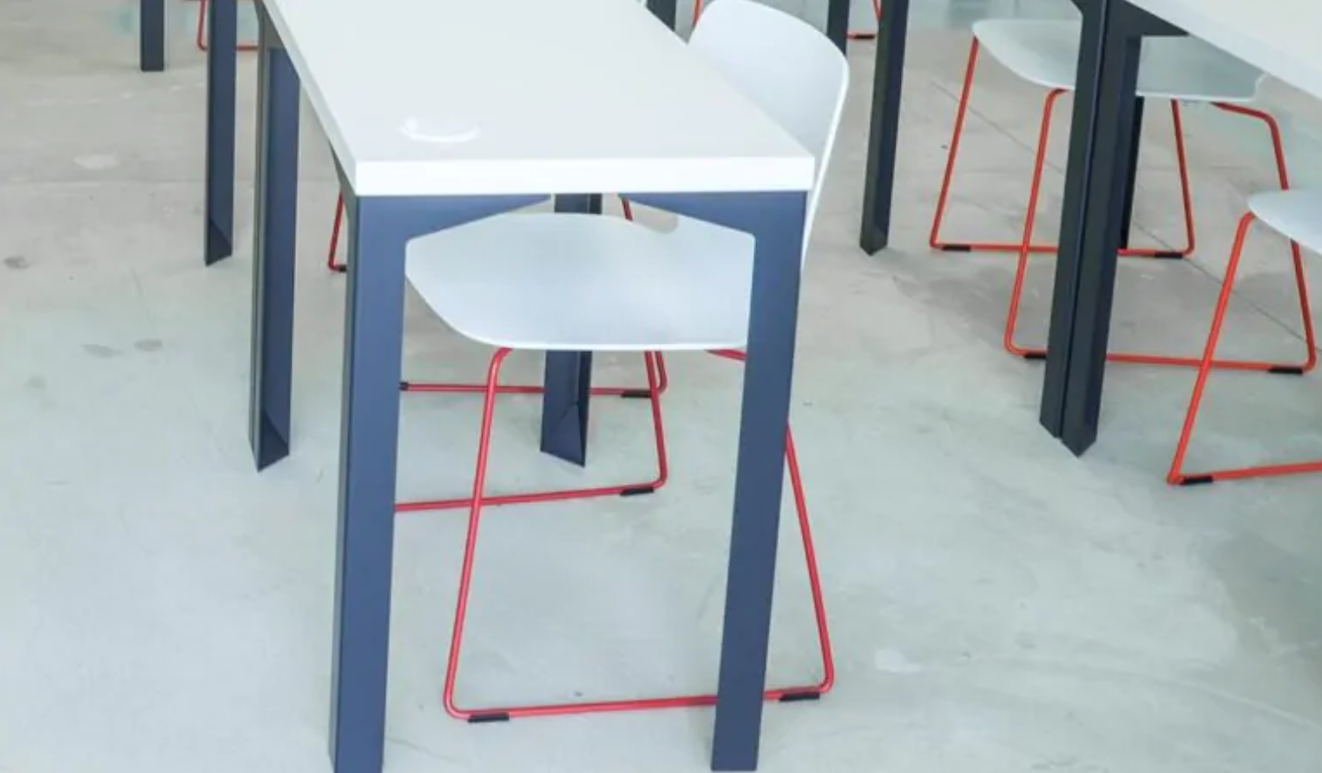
{"x": 218, "y": 239}
{"x": 883, "y": 136}
{"x": 273, "y": 249}
{"x": 1092, "y": 215}
{"x": 369, "y": 422}
{"x": 151, "y": 35}
{"x": 777, "y": 222}
{"x": 665, "y": 10}
{"x": 568, "y": 378}
{"x": 837, "y": 22}
{"x": 373, "y": 335}
{"x": 1131, "y": 181}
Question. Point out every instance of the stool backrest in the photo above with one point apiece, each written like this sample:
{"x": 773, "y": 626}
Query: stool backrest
{"x": 787, "y": 68}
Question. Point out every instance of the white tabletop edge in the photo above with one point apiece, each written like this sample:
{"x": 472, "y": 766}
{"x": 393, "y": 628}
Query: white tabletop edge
{"x": 724, "y": 175}
{"x": 789, "y": 168}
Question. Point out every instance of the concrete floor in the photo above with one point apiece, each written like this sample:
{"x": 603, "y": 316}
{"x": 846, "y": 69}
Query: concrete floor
{"x": 998, "y": 605}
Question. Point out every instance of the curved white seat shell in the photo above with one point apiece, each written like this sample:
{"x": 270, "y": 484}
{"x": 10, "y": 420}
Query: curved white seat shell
{"x": 566, "y": 282}
{"x": 1295, "y": 214}
{"x": 1185, "y": 69}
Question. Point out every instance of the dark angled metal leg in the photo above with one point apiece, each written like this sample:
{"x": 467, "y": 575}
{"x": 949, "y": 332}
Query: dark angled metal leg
{"x": 884, "y": 133}
{"x": 777, "y": 222}
{"x": 151, "y": 35}
{"x": 1131, "y": 182}
{"x": 1092, "y": 215}
{"x": 568, "y": 378}
{"x": 374, "y": 323}
{"x": 273, "y": 249}
{"x": 369, "y": 432}
{"x": 218, "y": 241}
{"x": 837, "y": 22}
{"x": 664, "y": 10}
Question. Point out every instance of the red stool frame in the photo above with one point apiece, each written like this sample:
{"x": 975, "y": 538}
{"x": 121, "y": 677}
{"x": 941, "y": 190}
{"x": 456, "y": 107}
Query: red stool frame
{"x": 202, "y": 30}
{"x": 966, "y": 94}
{"x": 1025, "y": 248}
{"x": 652, "y": 393}
{"x": 479, "y": 500}
{"x": 1177, "y": 476}
{"x": 1021, "y": 273}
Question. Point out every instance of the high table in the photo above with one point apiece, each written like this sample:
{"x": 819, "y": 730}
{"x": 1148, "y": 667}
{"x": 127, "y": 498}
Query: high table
{"x": 512, "y": 129}
{"x": 1099, "y": 191}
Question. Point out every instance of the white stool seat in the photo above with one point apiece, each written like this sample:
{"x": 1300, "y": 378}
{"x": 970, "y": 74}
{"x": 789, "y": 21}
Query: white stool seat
{"x": 567, "y": 282}
{"x": 1295, "y": 214}
{"x": 1183, "y": 68}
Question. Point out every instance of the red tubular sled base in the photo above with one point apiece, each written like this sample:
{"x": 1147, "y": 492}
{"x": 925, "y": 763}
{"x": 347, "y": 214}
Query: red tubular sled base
{"x": 952, "y": 156}
{"x": 479, "y": 500}
{"x": 1177, "y": 476}
{"x": 1025, "y": 248}
{"x": 652, "y": 393}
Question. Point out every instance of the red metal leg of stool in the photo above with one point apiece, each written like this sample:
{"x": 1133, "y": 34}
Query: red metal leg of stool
{"x": 1283, "y": 176}
{"x": 202, "y": 30}
{"x": 331, "y": 262}
{"x": 478, "y": 501}
{"x": 1177, "y": 476}
{"x": 630, "y": 489}
{"x": 952, "y": 155}
{"x": 876, "y": 9}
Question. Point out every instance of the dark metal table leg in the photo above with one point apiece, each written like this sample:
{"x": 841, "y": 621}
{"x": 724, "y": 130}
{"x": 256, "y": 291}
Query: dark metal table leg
{"x": 777, "y": 222}
{"x": 837, "y": 22}
{"x": 369, "y": 422}
{"x": 273, "y": 249}
{"x": 373, "y": 341}
{"x": 568, "y": 378}
{"x": 218, "y": 239}
{"x": 883, "y": 134}
{"x": 1092, "y": 215}
{"x": 1131, "y": 182}
{"x": 665, "y": 10}
{"x": 151, "y": 35}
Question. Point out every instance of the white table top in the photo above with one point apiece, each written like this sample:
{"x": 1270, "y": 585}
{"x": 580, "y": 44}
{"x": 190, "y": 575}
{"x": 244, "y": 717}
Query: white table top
{"x": 1279, "y": 37}
{"x": 475, "y": 97}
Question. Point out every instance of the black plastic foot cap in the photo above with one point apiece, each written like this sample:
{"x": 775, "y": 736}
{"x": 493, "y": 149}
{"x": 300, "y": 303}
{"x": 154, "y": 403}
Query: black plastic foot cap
{"x": 637, "y": 492}
{"x": 798, "y": 697}
{"x": 1197, "y": 480}
{"x": 1287, "y": 370}
{"x": 956, "y": 248}
{"x": 483, "y": 719}
{"x": 1035, "y": 356}
{"x": 636, "y": 394}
